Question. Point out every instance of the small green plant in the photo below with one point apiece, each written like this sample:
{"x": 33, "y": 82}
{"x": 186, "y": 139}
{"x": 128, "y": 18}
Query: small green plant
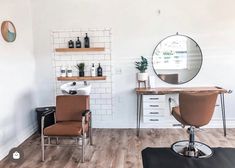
{"x": 80, "y": 67}
{"x": 142, "y": 65}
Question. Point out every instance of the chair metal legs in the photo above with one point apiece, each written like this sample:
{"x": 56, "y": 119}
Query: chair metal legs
{"x": 191, "y": 151}
{"x": 42, "y": 139}
{"x": 83, "y": 147}
{"x": 90, "y": 131}
{"x": 43, "y": 147}
{"x": 48, "y": 144}
{"x": 49, "y": 140}
{"x": 192, "y": 148}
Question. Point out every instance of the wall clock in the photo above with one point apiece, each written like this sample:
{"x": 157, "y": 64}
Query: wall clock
{"x": 8, "y": 31}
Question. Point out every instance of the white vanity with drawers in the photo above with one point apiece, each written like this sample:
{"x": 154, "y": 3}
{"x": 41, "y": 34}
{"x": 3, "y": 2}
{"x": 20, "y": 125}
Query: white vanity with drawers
{"x": 153, "y": 106}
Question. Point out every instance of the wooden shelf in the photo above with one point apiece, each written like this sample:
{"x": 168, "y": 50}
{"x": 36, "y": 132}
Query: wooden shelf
{"x": 85, "y": 78}
{"x": 80, "y": 49}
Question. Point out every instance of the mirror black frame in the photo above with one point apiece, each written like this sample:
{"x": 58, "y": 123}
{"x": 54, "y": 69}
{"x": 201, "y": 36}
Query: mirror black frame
{"x": 177, "y": 34}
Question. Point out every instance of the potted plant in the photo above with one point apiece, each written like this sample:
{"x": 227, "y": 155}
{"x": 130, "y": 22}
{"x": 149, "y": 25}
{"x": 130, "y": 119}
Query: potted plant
{"x": 80, "y": 68}
{"x": 142, "y": 67}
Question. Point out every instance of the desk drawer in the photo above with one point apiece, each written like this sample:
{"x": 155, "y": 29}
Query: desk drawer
{"x": 154, "y": 98}
{"x": 154, "y": 105}
{"x": 154, "y": 112}
{"x": 151, "y": 119}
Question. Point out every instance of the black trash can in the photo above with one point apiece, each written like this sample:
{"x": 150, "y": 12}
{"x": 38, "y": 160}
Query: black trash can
{"x": 49, "y": 119}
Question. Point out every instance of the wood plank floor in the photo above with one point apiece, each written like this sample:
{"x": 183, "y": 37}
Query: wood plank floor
{"x": 113, "y": 148}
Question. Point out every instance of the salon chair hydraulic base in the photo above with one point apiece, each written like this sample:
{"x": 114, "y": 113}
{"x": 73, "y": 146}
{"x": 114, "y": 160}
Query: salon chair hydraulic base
{"x": 192, "y": 148}
{"x": 200, "y": 150}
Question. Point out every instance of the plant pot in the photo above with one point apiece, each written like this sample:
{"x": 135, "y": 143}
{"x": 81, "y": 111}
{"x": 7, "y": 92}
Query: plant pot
{"x": 81, "y": 73}
{"x": 142, "y": 76}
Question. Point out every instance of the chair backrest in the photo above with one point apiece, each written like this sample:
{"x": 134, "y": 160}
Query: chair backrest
{"x": 70, "y": 107}
{"x": 170, "y": 78}
{"x": 196, "y": 108}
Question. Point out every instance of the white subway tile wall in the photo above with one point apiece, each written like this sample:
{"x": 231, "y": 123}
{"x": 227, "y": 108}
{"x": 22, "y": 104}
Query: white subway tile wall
{"x": 101, "y": 92}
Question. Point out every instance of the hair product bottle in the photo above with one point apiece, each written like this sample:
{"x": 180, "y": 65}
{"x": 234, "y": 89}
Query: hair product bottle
{"x": 69, "y": 71}
{"x": 78, "y": 43}
{"x": 71, "y": 44}
{"x": 86, "y": 42}
{"x": 93, "y": 70}
{"x": 62, "y": 71}
{"x": 99, "y": 71}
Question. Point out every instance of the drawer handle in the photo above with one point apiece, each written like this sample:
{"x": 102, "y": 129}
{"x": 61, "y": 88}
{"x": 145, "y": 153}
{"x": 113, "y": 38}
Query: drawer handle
{"x": 154, "y": 105}
{"x": 153, "y": 98}
{"x": 154, "y": 113}
{"x": 153, "y": 120}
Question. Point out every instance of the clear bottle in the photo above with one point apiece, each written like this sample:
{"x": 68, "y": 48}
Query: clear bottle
{"x": 63, "y": 71}
{"x": 99, "y": 71}
{"x": 93, "y": 70}
{"x": 69, "y": 71}
{"x": 86, "y": 42}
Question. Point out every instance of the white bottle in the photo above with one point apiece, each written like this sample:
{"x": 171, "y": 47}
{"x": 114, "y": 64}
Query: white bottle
{"x": 62, "y": 71}
{"x": 93, "y": 70}
{"x": 69, "y": 71}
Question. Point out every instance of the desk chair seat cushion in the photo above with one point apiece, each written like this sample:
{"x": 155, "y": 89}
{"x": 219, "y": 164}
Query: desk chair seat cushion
{"x": 66, "y": 128}
{"x": 176, "y": 113}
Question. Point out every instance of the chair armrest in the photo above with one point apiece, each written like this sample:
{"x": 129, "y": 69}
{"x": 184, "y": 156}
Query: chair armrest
{"x": 86, "y": 118}
{"x": 86, "y": 115}
{"x": 45, "y": 113}
{"x": 46, "y": 110}
{"x": 50, "y": 110}
{"x": 41, "y": 109}
{"x": 86, "y": 112}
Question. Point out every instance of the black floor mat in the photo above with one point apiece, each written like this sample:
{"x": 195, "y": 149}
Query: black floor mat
{"x": 166, "y": 158}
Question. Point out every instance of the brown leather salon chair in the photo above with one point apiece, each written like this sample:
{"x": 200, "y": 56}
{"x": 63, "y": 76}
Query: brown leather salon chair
{"x": 72, "y": 119}
{"x": 195, "y": 110}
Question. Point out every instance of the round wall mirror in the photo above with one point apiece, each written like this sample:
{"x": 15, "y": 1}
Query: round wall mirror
{"x": 177, "y": 59}
{"x": 8, "y": 31}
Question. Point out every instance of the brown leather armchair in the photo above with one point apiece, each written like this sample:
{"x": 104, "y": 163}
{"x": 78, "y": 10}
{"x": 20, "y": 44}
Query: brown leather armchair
{"x": 195, "y": 110}
{"x": 72, "y": 119}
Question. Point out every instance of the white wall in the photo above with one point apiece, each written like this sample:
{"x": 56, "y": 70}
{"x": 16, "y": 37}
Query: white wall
{"x": 17, "y": 67}
{"x": 136, "y": 28}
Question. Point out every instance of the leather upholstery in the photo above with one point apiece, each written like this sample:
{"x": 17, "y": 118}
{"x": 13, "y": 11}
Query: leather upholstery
{"x": 69, "y": 111}
{"x": 65, "y": 128}
{"x": 195, "y": 109}
{"x": 70, "y": 108}
{"x": 177, "y": 115}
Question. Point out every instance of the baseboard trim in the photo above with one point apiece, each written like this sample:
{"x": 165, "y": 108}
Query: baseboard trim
{"x": 25, "y": 134}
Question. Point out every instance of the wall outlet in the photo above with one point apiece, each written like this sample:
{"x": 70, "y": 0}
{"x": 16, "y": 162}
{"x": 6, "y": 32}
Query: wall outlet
{"x": 118, "y": 71}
